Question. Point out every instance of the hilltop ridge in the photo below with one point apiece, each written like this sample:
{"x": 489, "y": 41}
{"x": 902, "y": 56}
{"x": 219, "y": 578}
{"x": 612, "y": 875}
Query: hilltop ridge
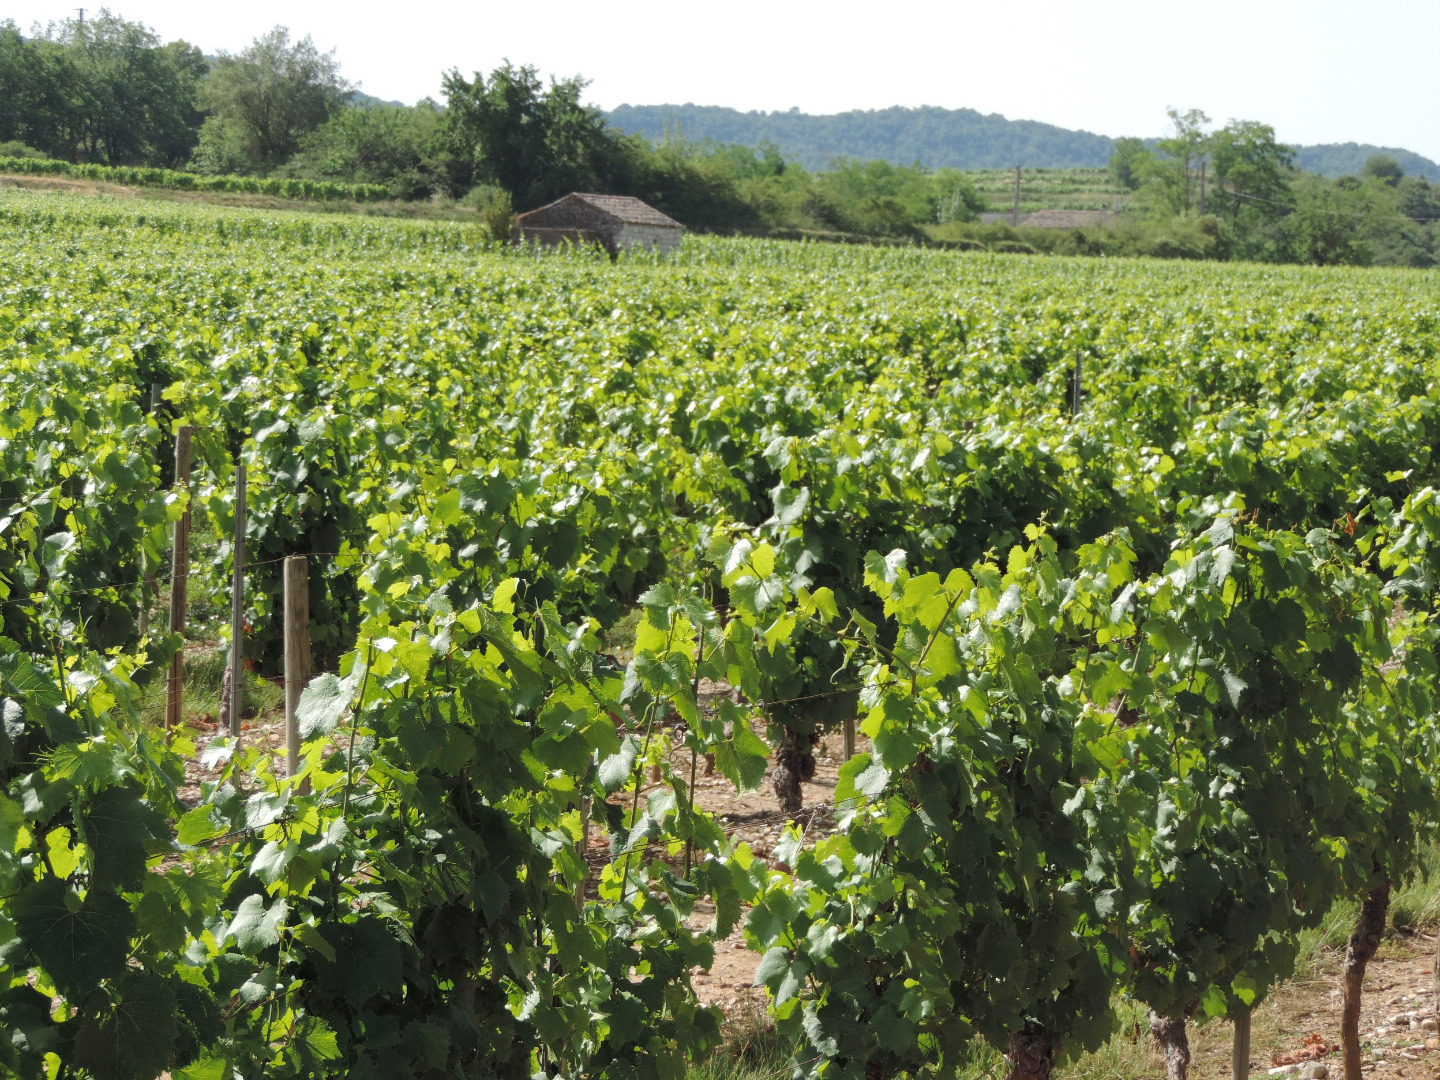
{"x": 939, "y": 138}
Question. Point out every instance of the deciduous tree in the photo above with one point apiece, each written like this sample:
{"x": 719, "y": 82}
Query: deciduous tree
{"x": 265, "y": 99}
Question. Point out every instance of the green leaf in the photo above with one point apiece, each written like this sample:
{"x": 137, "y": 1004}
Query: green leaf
{"x": 663, "y": 676}
{"x": 615, "y": 770}
{"x": 197, "y": 826}
{"x": 1231, "y": 687}
{"x": 78, "y": 943}
{"x": 117, "y": 825}
{"x": 367, "y": 961}
{"x": 134, "y": 1035}
{"x": 271, "y": 860}
{"x": 205, "y": 1069}
{"x": 12, "y": 820}
{"x": 774, "y": 965}
{"x": 255, "y": 927}
{"x": 743, "y": 757}
{"x": 790, "y": 505}
{"x": 310, "y": 935}
{"x": 323, "y": 703}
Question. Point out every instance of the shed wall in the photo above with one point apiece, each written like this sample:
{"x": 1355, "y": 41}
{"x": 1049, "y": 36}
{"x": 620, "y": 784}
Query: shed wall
{"x": 541, "y": 237}
{"x": 662, "y": 238}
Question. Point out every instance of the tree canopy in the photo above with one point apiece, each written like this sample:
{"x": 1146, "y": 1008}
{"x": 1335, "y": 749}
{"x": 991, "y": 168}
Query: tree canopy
{"x": 265, "y": 99}
{"x": 536, "y": 142}
{"x": 103, "y": 90}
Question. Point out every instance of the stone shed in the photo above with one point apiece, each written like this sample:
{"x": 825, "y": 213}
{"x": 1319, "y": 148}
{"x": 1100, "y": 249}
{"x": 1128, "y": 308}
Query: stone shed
{"x": 616, "y": 222}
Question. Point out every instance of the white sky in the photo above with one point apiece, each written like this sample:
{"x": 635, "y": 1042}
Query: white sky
{"x": 1317, "y": 70}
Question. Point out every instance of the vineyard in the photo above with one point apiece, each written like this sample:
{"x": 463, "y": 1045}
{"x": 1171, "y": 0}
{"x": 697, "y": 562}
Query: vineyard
{"x": 174, "y": 180}
{"x": 1126, "y": 571}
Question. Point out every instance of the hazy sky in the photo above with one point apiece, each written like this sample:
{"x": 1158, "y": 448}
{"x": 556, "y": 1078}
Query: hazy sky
{"x": 1317, "y": 70}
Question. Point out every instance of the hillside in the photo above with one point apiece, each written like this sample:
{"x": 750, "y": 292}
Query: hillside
{"x": 1341, "y": 159}
{"x": 939, "y": 138}
{"x": 957, "y": 138}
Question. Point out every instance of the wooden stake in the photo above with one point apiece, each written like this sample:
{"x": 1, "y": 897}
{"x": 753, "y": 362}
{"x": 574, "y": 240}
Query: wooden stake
{"x": 237, "y": 607}
{"x": 848, "y": 733}
{"x": 1015, "y": 212}
{"x": 297, "y": 652}
{"x": 1240, "y": 1050}
{"x": 584, "y": 854}
{"x": 179, "y": 579}
{"x": 1075, "y": 406}
{"x": 142, "y": 624}
{"x": 147, "y": 577}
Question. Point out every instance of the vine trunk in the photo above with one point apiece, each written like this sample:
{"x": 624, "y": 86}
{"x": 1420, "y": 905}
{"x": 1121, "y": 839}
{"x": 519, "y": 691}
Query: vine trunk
{"x": 1369, "y": 928}
{"x": 1031, "y": 1055}
{"x": 1172, "y": 1035}
{"x": 794, "y": 762}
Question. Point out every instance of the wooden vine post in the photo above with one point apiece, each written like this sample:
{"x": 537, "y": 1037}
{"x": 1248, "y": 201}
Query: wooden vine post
{"x": 297, "y": 652}
{"x": 584, "y": 854}
{"x": 147, "y": 575}
{"x": 237, "y": 607}
{"x": 848, "y": 734}
{"x": 179, "y": 579}
{"x": 1240, "y": 1049}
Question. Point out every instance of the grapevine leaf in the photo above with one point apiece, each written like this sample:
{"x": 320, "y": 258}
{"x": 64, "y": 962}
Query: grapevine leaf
{"x": 118, "y": 826}
{"x": 135, "y": 1034}
{"x": 79, "y": 943}
{"x": 323, "y": 703}
{"x": 615, "y": 770}
{"x": 367, "y": 961}
{"x": 743, "y": 757}
{"x": 790, "y": 504}
{"x": 1231, "y": 687}
{"x": 255, "y": 927}
{"x": 773, "y": 967}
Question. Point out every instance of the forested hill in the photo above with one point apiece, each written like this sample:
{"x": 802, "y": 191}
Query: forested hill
{"x": 958, "y": 138}
{"x": 1347, "y": 159}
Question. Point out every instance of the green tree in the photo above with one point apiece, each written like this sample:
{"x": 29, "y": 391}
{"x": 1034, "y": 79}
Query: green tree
{"x": 103, "y": 90}
{"x": 264, "y": 100}
{"x": 1127, "y": 163}
{"x": 537, "y": 143}
{"x": 1251, "y": 187}
{"x": 1384, "y": 168}
{"x": 395, "y": 145}
{"x": 1173, "y": 175}
{"x": 1417, "y": 199}
{"x": 34, "y": 106}
{"x": 1326, "y": 227}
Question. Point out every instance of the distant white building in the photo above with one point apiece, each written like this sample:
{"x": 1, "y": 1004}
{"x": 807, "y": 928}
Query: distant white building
{"x": 615, "y": 222}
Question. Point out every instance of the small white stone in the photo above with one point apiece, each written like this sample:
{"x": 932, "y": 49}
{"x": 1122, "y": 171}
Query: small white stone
{"x": 1429, "y": 1024}
{"x": 1284, "y": 1070}
{"x": 1316, "y": 1070}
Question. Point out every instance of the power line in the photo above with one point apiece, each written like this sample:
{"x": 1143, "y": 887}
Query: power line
{"x": 1423, "y": 218}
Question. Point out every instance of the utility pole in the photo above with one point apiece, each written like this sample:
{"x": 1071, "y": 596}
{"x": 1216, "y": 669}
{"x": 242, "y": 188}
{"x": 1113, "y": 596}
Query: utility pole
{"x": 81, "y": 12}
{"x": 1202, "y": 188}
{"x": 1015, "y": 212}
